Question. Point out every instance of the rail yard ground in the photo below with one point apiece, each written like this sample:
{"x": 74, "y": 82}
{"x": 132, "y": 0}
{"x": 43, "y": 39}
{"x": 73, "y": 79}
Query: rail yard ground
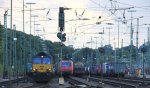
{"x": 72, "y": 82}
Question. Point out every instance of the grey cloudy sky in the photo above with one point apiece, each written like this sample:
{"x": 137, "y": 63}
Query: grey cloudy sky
{"x": 77, "y": 29}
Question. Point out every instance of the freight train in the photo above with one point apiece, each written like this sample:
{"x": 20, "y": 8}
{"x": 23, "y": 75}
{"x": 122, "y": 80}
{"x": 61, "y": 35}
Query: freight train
{"x": 80, "y": 69}
{"x": 41, "y": 67}
{"x": 109, "y": 69}
{"x": 105, "y": 69}
{"x": 114, "y": 69}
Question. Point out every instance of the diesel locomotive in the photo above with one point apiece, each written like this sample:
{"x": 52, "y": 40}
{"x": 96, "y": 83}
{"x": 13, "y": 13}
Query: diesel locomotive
{"x": 42, "y": 67}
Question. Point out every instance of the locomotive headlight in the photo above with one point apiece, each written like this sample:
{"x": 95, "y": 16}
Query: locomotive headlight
{"x": 34, "y": 69}
{"x": 49, "y": 69}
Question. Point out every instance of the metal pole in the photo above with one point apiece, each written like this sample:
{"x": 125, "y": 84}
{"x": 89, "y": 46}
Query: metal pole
{"x": 96, "y": 41}
{"x": 131, "y": 31}
{"x": 20, "y": 63}
{"x": 34, "y": 37}
{"x": 11, "y": 17}
{"x": 131, "y": 36}
{"x": 101, "y": 41}
{"x": 14, "y": 49}
{"x": 37, "y": 43}
{"x": 131, "y": 41}
{"x": 5, "y": 48}
{"x": 15, "y": 57}
{"x": 148, "y": 36}
{"x": 61, "y": 53}
{"x": 10, "y": 56}
{"x": 115, "y": 49}
{"x": 115, "y": 53}
{"x": 15, "y": 46}
{"x": 13, "y": 61}
{"x": 24, "y": 48}
{"x": 34, "y": 34}
{"x": 130, "y": 59}
{"x": 109, "y": 36}
{"x": 118, "y": 34}
{"x": 91, "y": 42}
{"x": 143, "y": 67}
{"x": 30, "y": 34}
{"x": 10, "y": 61}
{"x": 137, "y": 37}
{"x": 4, "y": 60}
{"x": 122, "y": 48}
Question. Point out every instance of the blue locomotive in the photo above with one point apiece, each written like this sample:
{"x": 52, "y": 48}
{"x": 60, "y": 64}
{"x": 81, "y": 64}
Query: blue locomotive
{"x": 42, "y": 67}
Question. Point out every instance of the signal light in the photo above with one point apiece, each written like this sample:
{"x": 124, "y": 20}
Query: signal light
{"x": 61, "y": 36}
{"x": 61, "y": 18}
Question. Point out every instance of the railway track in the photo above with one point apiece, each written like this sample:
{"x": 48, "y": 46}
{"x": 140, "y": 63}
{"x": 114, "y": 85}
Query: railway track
{"x": 136, "y": 81}
{"x": 133, "y": 80}
{"x": 53, "y": 83}
{"x": 10, "y": 82}
{"x": 39, "y": 85}
{"x": 118, "y": 83}
{"x": 21, "y": 83}
{"x": 78, "y": 82}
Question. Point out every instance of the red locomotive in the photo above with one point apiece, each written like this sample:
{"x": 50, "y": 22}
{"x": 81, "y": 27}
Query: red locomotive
{"x": 66, "y": 67}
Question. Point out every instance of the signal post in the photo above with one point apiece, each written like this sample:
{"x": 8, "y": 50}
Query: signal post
{"x": 61, "y": 36}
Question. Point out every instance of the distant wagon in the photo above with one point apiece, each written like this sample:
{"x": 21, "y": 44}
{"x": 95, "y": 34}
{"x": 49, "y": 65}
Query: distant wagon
{"x": 80, "y": 69}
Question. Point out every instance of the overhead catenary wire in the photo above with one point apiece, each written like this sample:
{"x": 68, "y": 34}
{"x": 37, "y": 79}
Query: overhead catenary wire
{"x": 103, "y": 8}
{"x": 131, "y": 5}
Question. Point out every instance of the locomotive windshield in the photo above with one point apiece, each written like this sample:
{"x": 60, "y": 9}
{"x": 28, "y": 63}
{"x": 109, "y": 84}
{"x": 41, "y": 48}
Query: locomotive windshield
{"x": 46, "y": 60}
{"x": 66, "y": 64}
{"x": 37, "y": 60}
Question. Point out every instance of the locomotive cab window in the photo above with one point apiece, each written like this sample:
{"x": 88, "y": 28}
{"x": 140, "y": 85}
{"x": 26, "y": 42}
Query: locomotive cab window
{"x": 66, "y": 64}
{"x": 37, "y": 60}
{"x": 46, "y": 61}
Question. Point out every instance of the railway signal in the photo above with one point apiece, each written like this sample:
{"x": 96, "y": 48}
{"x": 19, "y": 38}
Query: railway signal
{"x": 64, "y": 37}
{"x": 61, "y": 36}
{"x": 61, "y": 18}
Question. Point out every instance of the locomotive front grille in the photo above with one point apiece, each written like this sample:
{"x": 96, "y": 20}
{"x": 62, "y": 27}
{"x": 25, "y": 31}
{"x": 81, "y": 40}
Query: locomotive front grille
{"x": 42, "y": 68}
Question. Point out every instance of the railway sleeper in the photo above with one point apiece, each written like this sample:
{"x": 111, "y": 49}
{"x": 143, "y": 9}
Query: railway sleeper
{"x": 114, "y": 83}
{"x": 83, "y": 81}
